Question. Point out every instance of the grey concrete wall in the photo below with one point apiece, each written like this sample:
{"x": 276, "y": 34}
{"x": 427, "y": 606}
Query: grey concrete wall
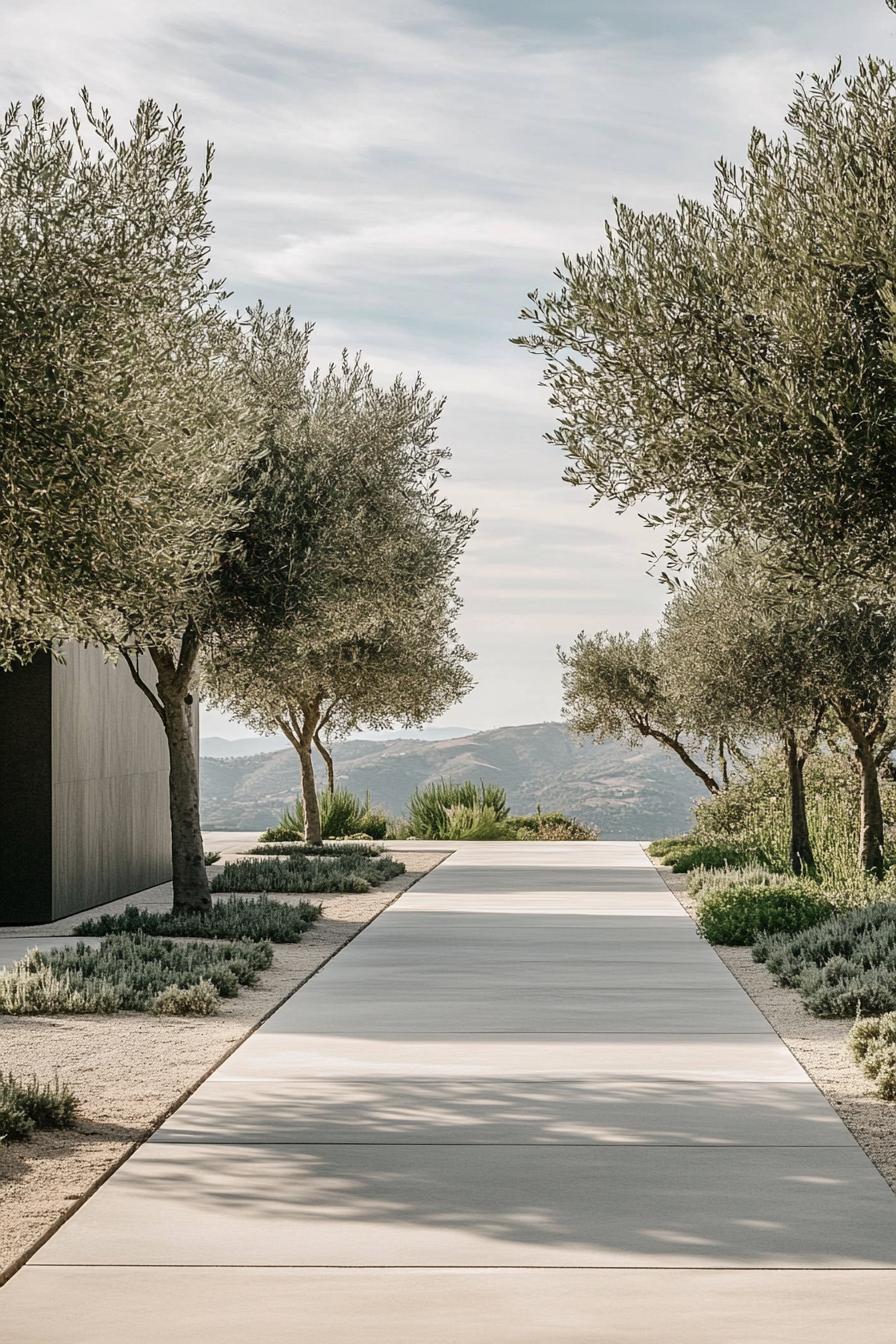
{"x": 111, "y": 831}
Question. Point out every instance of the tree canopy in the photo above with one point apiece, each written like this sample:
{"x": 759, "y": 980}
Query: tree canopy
{"x": 732, "y": 364}
{"x": 614, "y": 687}
{"x": 341, "y": 601}
{"x": 123, "y": 412}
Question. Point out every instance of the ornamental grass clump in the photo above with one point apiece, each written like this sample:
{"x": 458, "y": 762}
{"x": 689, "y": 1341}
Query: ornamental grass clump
{"x": 29, "y": 1105}
{"x": 737, "y": 914}
{"x": 128, "y": 972}
{"x": 479, "y": 821}
{"x": 345, "y": 873}
{"x": 342, "y": 813}
{"x": 433, "y": 811}
{"x": 236, "y": 917}
{"x": 842, "y": 966}
{"x": 873, "y": 1044}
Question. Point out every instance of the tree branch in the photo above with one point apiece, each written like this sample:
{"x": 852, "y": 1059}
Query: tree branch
{"x": 666, "y": 739}
{"x": 147, "y": 691}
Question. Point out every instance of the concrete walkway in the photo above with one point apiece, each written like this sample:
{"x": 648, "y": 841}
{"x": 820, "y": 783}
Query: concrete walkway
{"x": 526, "y": 1106}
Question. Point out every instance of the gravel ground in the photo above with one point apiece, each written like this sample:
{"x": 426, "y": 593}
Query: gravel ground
{"x": 131, "y": 1070}
{"x": 820, "y": 1045}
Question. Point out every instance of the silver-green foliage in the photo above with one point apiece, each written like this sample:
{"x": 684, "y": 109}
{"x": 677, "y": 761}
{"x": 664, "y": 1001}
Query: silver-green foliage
{"x": 842, "y": 966}
{"x": 614, "y": 687}
{"x": 124, "y": 413}
{"x": 344, "y": 873}
{"x": 127, "y": 972}
{"x": 235, "y": 917}
{"x": 27, "y": 1105}
{"x": 734, "y": 359}
{"x": 873, "y": 1044}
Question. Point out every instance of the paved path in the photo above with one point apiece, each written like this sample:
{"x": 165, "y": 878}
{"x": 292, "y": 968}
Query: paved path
{"x": 526, "y": 1106}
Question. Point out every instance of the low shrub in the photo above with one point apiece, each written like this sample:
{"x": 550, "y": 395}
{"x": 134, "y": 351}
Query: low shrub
{"x": 736, "y": 915}
{"x": 873, "y": 1044}
{"x": 375, "y": 823}
{"x": 199, "y": 1000}
{"x": 211, "y": 856}
{"x": 236, "y": 917}
{"x": 125, "y": 973}
{"x": 329, "y": 851}
{"x": 657, "y": 848}
{"x": 27, "y": 1106}
{"x": 683, "y": 853}
{"x": 428, "y": 810}
{"x": 842, "y": 966}
{"x": 344, "y": 874}
{"x": 551, "y": 826}
{"x": 703, "y": 881}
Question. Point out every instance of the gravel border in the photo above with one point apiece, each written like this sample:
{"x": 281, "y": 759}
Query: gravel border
{"x": 131, "y": 1070}
{"x": 820, "y": 1045}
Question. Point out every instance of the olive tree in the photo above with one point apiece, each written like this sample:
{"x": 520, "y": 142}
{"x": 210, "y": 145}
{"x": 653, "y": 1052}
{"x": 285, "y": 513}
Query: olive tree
{"x": 614, "y": 688}
{"x": 342, "y": 598}
{"x": 126, "y": 419}
{"x": 405, "y": 674}
{"x": 746, "y": 653}
{"x": 732, "y": 363}
{"x": 738, "y": 650}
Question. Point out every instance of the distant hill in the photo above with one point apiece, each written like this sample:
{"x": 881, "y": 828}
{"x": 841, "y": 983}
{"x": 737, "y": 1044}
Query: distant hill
{"x": 252, "y": 746}
{"x": 629, "y": 793}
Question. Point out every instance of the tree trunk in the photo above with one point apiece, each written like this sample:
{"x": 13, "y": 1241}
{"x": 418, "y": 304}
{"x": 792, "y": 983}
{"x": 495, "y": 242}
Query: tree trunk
{"x": 802, "y": 860}
{"x": 172, "y": 700}
{"x": 190, "y": 876}
{"x": 871, "y": 818}
{"x": 327, "y": 757}
{"x": 310, "y": 804}
{"x": 871, "y": 824}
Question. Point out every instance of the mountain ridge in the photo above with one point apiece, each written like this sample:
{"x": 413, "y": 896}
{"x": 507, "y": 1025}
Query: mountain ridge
{"x": 628, "y": 792}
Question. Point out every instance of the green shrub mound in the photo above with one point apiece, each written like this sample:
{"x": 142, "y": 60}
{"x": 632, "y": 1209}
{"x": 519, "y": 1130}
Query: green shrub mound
{"x": 235, "y": 918}
{"x": 736, "y": 915}
{"x": 128, "y": 972}
{"x": 873, "y": 1044}
{"x": 330, "y": 850}
{"x": 212, "y": 856}
{"x": 551, "y": 826}
{"x": 682, "y": 853}
{"x": 27, "y": 1106}
{"x": 842, "y": 966}
{"x": 345, "y": 874}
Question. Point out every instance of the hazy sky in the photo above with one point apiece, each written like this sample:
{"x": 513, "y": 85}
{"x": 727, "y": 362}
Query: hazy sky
{"x": 403, "y": 172}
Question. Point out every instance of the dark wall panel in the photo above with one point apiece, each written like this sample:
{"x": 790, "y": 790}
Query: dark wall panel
{"x": 26, "y": 837}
